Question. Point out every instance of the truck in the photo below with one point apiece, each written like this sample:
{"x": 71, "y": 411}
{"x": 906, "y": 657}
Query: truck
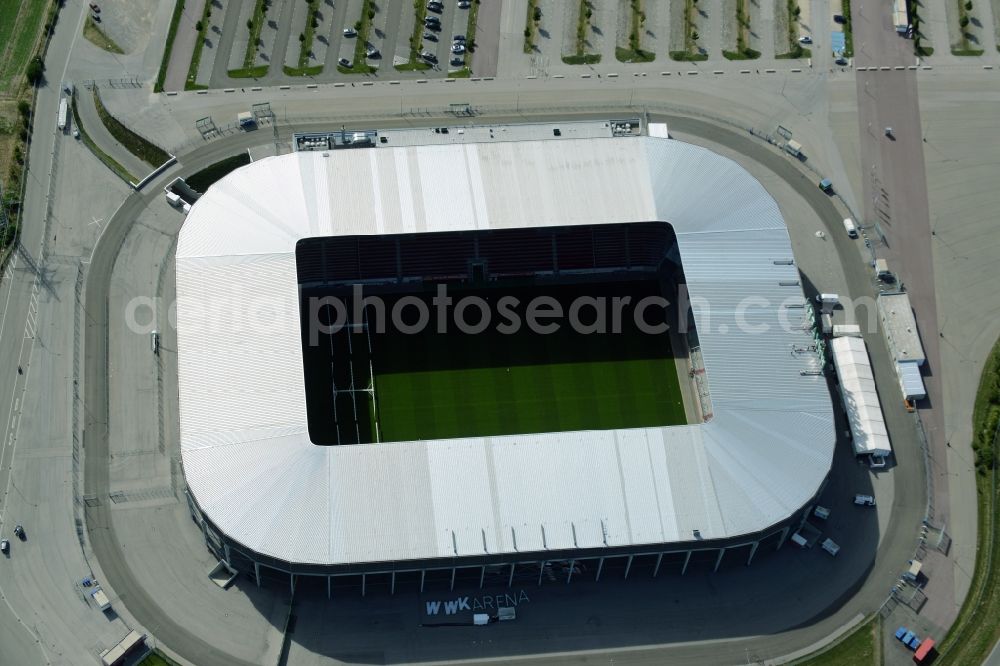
{"x": 793, "y": 148}
{"x": 882, "y": 269}
{"x": 63, "y": 114}
{"x": 246, "y": 120}
{"x": 101, "y": 599}
{"x": 846, "y": 330}
{"x": 850, "y": 227}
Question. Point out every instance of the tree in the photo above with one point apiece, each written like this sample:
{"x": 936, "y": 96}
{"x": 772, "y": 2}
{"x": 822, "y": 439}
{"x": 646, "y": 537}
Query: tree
{"x": 968, "y": 6}
{"x": 302, "y": 37}
{"x": 694, "y": 35}
{"x": 527, "y": 33}
{"x": 249, "y": 24}
{"x": 24, "y": 109}
{"x": 199, "y": 26}
{"x": 538, "y": 14}
{"x": 964, "y": 21}
{"x": 35, "y": 70}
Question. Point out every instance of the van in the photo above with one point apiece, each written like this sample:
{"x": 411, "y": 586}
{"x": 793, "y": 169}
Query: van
{"x": 174, "y": 199}
{"x": 830, "y": 299}
{"x": 799, "y": 540}
{"x": 850, "y": 227}
{"x": 831, "y": 547}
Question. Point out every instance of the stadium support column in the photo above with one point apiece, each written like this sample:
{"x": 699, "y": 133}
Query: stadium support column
{"x": 628, "y": 566}
{"x": 423, "y": 573}
{"x": 392, "y": 588}
{"x": 291, "y": 583}
{"x": 364, "y": 580}
{"x": 541, "y": 570}
{"x": 753, "y": 551}
{"x": 781, "y": 540}
{"x": 328, "y": 595}
{"x": 569, "y": 575}
{"x": 718, "y": 560}
{"x": 600, "y": 566}
{"x": 256, "y": 573}
{"x": 225, "y": 549}
{"x": 482, "y": 576}
{"x": 453, "y": 578}
{"x": 656, "y": 569}
{"x": 510, "y": 579}
{"x": 687, "y": 558}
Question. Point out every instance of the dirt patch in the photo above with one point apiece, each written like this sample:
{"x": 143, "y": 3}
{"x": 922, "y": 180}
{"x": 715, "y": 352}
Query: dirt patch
{"x": 780, "y": 31}
{"x": 676, "y": 26}
{"x": 728, "y": 25}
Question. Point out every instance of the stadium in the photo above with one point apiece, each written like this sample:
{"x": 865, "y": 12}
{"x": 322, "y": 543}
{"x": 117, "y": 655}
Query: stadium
{"x": 320, "y": 444}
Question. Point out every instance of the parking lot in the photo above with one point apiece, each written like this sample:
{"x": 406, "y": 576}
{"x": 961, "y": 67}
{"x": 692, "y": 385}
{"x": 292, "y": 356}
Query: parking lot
{"x": 274, "y": 42}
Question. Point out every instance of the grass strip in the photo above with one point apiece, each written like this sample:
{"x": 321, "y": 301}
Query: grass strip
{"x": 248, "y": 72}
{"x": 977, "y": 628}
{"x": 470, "y": 34}
{"x": 859, "y": 647}
{"x": 363, "y": 27}
{"x": 93, "y": 34}
{"x": 175, "y": 20}
{"x": 106, "y": 159}
{"x": 142, "y": 148}
{"x": 201, "y": 181}
{"x": 191, "y": 83}
{"x": 531, "y": 25}
{"x": 795, "y": 49}
{"x": 306, "y": 40}
{"x": 416, "y": 40}
{"x": 848, "y": 32}
{"x": 256, "y": 25}
{"x": 635, "y": 52}
{"x": 584, "y": 59}
{"x": 303, "y": 71}
{"x": 688, "y": 56}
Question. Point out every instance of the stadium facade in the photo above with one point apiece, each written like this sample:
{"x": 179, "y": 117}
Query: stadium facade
{"x": 555, "y": 505}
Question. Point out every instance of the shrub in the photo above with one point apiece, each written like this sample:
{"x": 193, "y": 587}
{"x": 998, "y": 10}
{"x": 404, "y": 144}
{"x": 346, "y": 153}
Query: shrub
{"x": 35, "y": 70}
{"x": 964, "y": 21}
{"x": 249, "y": 24}
{"x": 199, "y": 26}
{"x": 538, "y": 14}
{"x": 302, "y": 37}
{"x": 24, "y": 109}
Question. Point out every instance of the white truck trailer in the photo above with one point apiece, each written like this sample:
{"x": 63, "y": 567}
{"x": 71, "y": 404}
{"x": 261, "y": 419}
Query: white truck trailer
{"x": 63, "y": 114}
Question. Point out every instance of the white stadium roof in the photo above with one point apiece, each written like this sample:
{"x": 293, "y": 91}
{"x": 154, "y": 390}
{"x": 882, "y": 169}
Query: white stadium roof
{"x": 246, "y": 451}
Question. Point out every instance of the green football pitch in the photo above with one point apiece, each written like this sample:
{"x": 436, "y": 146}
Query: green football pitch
{"x": 434, "y": 386}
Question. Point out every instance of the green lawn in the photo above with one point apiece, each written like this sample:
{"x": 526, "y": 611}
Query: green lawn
{"x": 859, "y": 648}
{"x": 22, "y": 21}
{"x": 589, "y": 395}
{"x": 434, "y": 386}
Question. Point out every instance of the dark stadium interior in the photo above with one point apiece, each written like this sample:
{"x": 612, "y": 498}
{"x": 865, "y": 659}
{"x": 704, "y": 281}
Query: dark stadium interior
{"x": 599, "y": 262}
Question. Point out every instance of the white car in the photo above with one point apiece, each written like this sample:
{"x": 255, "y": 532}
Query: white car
{"x": 806, "y": 39}
{"x": 350, "y": 32}
{"x": 4, "y": 546}
{"x": 864, "y": 500}
{"x": 457, "y": 48}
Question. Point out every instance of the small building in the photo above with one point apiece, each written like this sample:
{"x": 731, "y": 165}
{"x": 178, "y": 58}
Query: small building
{"x": 900, "y": 329}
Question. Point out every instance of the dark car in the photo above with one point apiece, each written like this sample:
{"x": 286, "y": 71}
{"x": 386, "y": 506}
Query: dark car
{"x": 428, "y": 56}
{"x": 19, "y": 533}
{"x": 458, "y": 38}
{"x": 457, "y": 62}
{"x": 838, "y": 18}
{"x": 430, "y": 36}
{"x": 95, "y": 8}
{"x": 435, "y": 7}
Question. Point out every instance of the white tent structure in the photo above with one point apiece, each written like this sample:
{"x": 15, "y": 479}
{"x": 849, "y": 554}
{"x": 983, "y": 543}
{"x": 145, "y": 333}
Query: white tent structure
{"x": 255, "y": 474}
{"x": 857, "y": 386}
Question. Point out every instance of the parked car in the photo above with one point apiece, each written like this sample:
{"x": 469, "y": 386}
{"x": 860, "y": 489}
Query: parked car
{"x": 458, "y": 38}
{"x": 841, "y": 61}
{"x": 19, "y": 533}
{"x": 864, "y": 500}
{"x": 826, "y": 185}
{"x": 428, "y": 56}
{"x": 839, "y": 18}
{"x": 805, "y": 39}
{"x": 95, "y": 8}
{"x": 372, "y": 52}
{"x": 344, "y": 62}
{"x": 457, "y": 62}
{"x": 430, "y": 36}
{"x": 464, "y": 4}
{"x": 350, "y": 32}
{"x": 4, "y": 546}
{"x": 831, "y": 547}
{"x": 432, "y": 23}
{"x": 457, "y": 48}
{"x": 435, "y": 6}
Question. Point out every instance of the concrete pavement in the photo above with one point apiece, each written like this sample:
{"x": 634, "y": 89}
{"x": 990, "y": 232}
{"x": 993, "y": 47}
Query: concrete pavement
{"x": 183, "y": 48}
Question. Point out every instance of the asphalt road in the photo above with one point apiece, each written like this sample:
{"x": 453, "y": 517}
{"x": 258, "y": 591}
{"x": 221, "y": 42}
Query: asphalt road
{"x": 895, "y": 198}
{"x": 897, "y": 539}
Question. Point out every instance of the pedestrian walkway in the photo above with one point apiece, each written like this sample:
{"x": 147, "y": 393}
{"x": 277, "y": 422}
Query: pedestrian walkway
{"x": 183, "y": 48}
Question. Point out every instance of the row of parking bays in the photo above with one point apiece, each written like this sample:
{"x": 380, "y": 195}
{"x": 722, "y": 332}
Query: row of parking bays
{"x": 432, "y": 47}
